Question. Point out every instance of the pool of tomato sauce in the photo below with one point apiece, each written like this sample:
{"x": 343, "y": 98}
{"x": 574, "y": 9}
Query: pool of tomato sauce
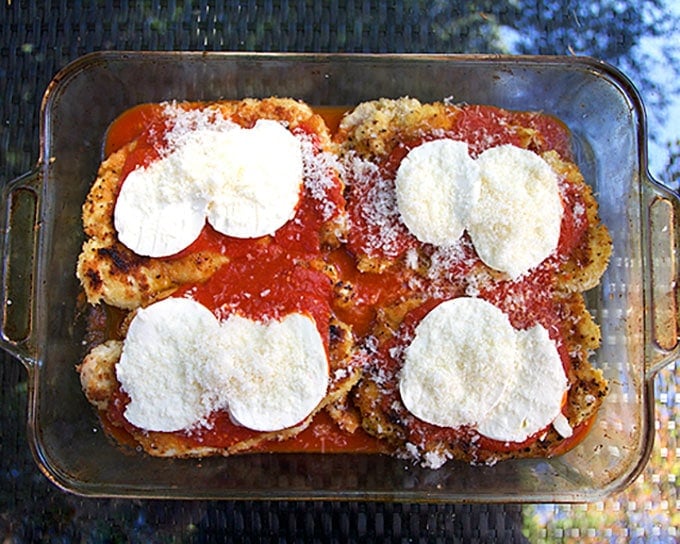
{"x": 245, "y": 282}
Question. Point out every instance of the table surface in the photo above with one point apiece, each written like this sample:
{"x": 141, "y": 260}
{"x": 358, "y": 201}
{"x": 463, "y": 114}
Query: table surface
{"x": 37, "y": 39}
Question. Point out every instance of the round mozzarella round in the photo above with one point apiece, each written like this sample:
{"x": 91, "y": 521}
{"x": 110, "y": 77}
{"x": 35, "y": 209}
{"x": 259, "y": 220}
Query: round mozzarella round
{"x": 165, "y": 352}
{"x": 534, "y": 398}
{"x": 155, "y": 214}
{"x": 437, "y": 184}
{"x": 457, "y": 366}
{"x": 515, "y": 223}
{"x": 261, "y": 182}
{"x": 273, "y": 374}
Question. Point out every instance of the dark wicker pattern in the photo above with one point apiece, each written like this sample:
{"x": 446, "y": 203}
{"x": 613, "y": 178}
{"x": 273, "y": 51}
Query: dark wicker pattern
{"x": 36, "y": 40}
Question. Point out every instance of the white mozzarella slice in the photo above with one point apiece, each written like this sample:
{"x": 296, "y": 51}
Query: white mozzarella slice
{"x": 153, "y": 216}
{"x": 274, "y": 374}
{"x": 179, "y": 364}
{"x": 165, "y": 352}
{"x": 437, "y": 184}
{"x": 247, "y": 182}
{"x": 260, "y": 188}
{"x": 457, "y": 365}
{"x": 534, "y": 398}
{"x": 562, "y": 426}
{"x": 515, "y": 224}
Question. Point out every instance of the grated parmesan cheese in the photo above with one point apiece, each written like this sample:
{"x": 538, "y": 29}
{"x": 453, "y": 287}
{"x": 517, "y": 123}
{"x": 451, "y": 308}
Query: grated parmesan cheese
{"x": 319, "y": 169}
{"x": 378, "y": 209}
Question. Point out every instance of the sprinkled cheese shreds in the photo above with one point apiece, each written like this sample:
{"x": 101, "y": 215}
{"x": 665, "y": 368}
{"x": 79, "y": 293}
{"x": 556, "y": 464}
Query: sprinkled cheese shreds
{"x": 181, "y": 120}
{"x": 319, "y": 174}
{"x": 375, "y": 223}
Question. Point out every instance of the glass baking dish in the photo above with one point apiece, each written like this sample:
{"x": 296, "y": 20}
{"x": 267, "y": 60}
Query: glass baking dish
{"x": 635, "y": 303}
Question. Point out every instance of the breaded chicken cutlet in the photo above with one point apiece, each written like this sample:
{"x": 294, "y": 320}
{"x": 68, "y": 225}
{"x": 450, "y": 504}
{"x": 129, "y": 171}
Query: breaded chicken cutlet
{"x": 375, "y": 136}
{"x": 103, "y": 391}
{"x": 111, "y": 273}
{"x": 114, "y": 276}
{"x": 373, "y": 140}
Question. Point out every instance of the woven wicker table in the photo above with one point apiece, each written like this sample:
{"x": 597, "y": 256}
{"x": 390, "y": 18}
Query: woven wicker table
{"x": 36, "y": 40}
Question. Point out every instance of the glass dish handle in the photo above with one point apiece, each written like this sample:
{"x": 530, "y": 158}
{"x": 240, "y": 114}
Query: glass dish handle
{"x": 19, "y": 209}
{"x": 664, "y": 250}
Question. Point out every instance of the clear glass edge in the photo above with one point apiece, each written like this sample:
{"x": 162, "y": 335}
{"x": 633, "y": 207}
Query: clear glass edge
{"x": 23, "y": 349}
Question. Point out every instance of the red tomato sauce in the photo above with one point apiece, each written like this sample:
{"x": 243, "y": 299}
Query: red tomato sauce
{"x": 130, "y": 125}
{"x": 483, "y": 127}
{"x": 369, "y": 291}
{"x": 265, "y": 286}
{"x": 321, "y": 436}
